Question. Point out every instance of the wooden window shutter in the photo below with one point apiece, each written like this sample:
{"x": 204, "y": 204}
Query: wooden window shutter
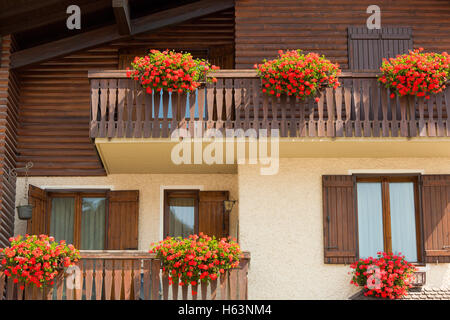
{"x": 39, "y": 223}
{"x": 339, "y": 219}
{"x": 211, "y": 217}
{"x": 122, "y": 220}
{"x": 367, "y": 48}
{"x": 436, "y": 217}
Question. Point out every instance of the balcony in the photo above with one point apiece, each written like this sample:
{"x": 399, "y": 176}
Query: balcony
{"x": 359, "y": 108}
{"x": 128, "y": 275}
{"x": 129, "y": 127}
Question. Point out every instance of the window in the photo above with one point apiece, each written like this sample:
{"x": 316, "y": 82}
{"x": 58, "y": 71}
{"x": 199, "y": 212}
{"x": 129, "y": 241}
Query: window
{"x": 79, "y": 218}
{"x": 181, "y": 213}
{"x": 193, "y": 211}
{"x": 388, "y": 216}
{"x": 90, "y": 220}
{"x": 363, "y": 214}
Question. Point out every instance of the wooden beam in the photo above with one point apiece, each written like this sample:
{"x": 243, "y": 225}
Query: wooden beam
{"x": 122, "y": 14}
{"x": 106, "y": 34}
{"x": 55, "y": 13}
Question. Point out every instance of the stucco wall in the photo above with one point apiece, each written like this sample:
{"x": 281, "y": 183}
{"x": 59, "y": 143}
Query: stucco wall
{"x": 150, "y": 188}
{"x": 281, "y": 225}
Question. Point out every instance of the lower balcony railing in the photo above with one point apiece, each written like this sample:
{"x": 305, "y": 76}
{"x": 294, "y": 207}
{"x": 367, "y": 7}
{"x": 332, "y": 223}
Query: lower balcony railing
{"x": 360, "y": 107}
{"x": 127, "y": 275}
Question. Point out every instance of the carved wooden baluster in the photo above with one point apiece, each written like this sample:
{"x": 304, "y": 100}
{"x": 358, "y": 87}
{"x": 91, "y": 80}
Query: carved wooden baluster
{"x": 103, "y": 107}
{"x": 219, "y": 102}
{"x": 121, "y": 97}
{"x": 112, "y": 84}
{"x": 348, "y": 111}
{"x": 431, "y": 122}
{"x": 283, "y": 107}
{"x": 366, "y": 105}
{"x": 256, "y": 95}
{"x": 412, "y": 116}
{"x": 376, "y": 108}
{"x": 147, "y": 115}
{"x": 321, "y": 122}
{"x": 339, "y": 122}
{"x": 312, "y": 123}
{"x": 138, "y": 122}
{"x": 238, "y": 102}
{"x": 384, "y": 109}
{"x": 440, "y": 122}
{"x": 95, "y": 85}
{"x": 357, "y": 100}
{"x": 228, "y": 102}
{"x": 130, "y": 107}
{"x": 155, "y": 266}
{"x": 330, "y": 112}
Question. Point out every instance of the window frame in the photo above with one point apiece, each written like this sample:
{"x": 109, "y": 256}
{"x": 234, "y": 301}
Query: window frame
{"x": 180, "y": 193}
{"x": 385, "y": 179}
{"x": 78, "y": 195}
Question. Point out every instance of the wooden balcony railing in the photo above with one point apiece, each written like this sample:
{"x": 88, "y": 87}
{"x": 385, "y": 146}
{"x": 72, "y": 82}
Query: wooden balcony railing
{"x": 128, "y": 275}
{"x": 359, "y": 108}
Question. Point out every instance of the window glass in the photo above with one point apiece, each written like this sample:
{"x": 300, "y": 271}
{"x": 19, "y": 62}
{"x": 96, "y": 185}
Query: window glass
{"x": 93, "y": 223}
{"x": 62, "y": 219}
{"x": 403, "y": 221}
{"x": 181, "y": 217}
{"x": 370, "y": 219}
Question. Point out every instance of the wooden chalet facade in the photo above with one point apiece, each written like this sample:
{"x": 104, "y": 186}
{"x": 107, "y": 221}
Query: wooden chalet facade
{"x": 96, "y": 139}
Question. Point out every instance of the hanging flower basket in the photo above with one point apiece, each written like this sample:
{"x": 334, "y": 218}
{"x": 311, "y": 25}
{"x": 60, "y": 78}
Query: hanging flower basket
{"x": 196, "y": 259}
{"x": 416, "y": 73}
{"x": 170, "y": 71}
{"x": 25, "y": 211}
{"x": 296, "y": 74}
{"x": 387, "y": 276}
{"x": 36, "y": 261}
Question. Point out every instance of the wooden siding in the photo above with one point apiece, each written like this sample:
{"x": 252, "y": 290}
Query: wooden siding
{"x": 9, "y": 93}
{"x": 54, "y": 115}
{"x": 265, "y": 26}
{"x": 55, "y": 95}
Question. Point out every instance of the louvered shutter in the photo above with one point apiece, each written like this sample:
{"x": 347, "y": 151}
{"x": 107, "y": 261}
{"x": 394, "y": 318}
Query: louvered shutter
{"x": 39, "y": 223}
{"x": 211, "y": 217}
{"x": 122, "y": 220}
{"x": 436, "y": 217}
{"x": 367, "y": 48}
{"x": 339, "y": 219}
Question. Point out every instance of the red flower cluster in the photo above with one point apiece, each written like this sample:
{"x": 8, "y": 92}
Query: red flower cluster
{"x": 170, "y": 71}
{"x": 417, "y": 74}
{"x": 297, "y": 74}
{"x": 387, "y": 276}
{"x": 36, "y": 259}
{"x": 196, "y": 259}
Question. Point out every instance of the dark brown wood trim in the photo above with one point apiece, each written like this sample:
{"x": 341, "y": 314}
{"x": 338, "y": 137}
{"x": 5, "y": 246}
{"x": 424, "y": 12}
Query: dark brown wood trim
{"x": 122, "y": 14}
{"x": 224, "y": 73}
{"x": 110, "y": 33}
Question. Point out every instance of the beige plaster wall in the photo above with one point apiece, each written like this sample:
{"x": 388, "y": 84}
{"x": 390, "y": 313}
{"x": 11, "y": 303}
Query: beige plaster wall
{"x": 150, "y": 196}
{"x": 281, "y": 225}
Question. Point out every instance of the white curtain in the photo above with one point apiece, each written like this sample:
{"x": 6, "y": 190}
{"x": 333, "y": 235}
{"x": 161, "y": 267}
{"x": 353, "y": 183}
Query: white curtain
{"x": 62, "y": 219}
{"x": 93, "y": 224}
{"x": 181, "y": 217}
{"x": 403, "y": 220}
{"x": 370, "y": 219}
